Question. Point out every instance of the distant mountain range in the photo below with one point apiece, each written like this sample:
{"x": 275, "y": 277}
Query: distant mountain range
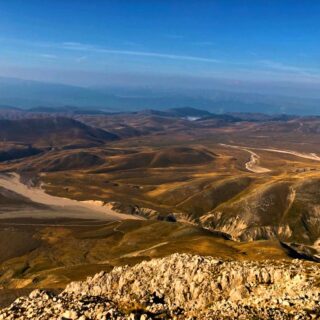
{"x": 44, "y": 96}
{"x": 187, "y": 113}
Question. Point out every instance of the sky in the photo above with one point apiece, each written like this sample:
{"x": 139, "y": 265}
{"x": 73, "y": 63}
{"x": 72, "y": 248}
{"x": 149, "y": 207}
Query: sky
{"x": 159, "y": 42}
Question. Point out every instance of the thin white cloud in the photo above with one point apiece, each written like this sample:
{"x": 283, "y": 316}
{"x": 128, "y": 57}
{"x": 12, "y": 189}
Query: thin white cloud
{"x": 131, "y": 43}
{"x": 70, "y": 43}
{"x": 290, "y": 69}
{"x": 47, "y": 56}
{"x": 259, "y": 69}
{"x": 280, "y": 66}
{"x": 77, "y": 46}
{"x": 91, "y": 48}
{"x": 80, "y": 59}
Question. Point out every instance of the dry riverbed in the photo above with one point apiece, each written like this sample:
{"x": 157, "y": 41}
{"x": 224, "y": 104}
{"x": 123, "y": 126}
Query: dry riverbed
{"x": 56, "y": 207}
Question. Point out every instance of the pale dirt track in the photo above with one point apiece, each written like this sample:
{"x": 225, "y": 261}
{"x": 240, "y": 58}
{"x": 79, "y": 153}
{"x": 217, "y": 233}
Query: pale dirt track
{"x": 310, "y": 156}
{"x": 252, "y": 164}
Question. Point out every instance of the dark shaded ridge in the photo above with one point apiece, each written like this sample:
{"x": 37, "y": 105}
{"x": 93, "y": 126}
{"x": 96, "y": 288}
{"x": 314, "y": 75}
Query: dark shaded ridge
{"x": 52, "y": 131}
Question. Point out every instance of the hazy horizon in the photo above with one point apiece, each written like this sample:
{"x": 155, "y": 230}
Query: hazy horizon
{"x": 265, "y": 48}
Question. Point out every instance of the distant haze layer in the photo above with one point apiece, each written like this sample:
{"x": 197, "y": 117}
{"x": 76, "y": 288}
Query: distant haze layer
{"x": 29, "y": 94}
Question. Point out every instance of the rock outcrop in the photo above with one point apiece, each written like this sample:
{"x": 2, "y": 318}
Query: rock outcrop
{"x": 136, "y": 210}
{"x": 183, "y": 286}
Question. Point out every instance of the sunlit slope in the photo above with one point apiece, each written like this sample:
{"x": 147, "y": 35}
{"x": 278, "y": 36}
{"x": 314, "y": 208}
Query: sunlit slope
{"x": 209, "y": 186}
{"x": 53, "y": 256}
{"x": 198, "y": 171}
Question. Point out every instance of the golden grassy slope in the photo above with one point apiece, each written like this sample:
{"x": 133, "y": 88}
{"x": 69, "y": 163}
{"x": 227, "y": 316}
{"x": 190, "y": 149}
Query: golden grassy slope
{"x": 55, "y": 256}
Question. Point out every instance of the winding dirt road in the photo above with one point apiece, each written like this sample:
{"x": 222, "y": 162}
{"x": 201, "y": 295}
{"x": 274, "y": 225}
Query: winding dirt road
{"x": 252, "y": 164}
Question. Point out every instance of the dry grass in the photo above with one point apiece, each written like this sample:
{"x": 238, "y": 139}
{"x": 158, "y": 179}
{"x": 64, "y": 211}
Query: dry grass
{"x": 63, "y": 254}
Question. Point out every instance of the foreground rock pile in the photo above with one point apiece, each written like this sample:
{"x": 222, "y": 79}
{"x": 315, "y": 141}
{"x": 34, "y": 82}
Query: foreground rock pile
{"x": 184, "y": 286}
{"x": 45, "y": 305}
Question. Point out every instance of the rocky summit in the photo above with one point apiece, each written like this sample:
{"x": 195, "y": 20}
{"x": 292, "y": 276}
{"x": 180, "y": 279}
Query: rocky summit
{"x": 184, "y": 286}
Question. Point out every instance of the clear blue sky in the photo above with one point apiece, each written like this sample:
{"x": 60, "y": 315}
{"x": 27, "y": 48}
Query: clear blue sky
{"x": 96, "y": 42}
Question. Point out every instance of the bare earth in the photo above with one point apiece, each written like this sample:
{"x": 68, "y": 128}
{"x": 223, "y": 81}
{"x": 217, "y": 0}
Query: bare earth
{"x": 57, "y": 206}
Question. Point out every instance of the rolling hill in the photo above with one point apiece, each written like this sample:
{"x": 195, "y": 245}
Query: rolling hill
{"x": 52, "y": 132}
